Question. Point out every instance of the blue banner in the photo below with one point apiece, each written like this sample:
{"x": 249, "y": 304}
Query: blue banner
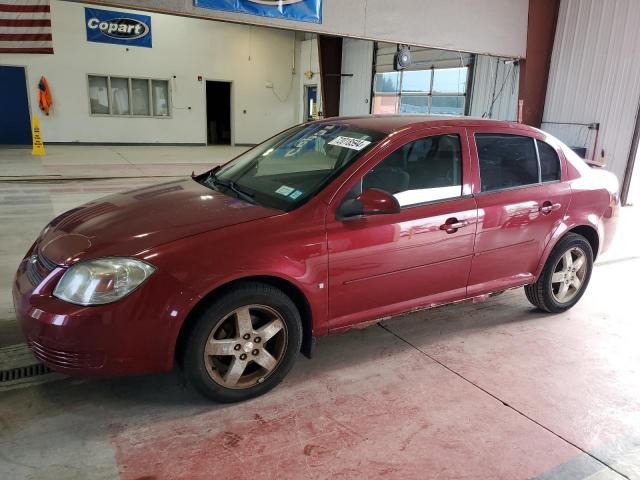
{"x": 121, "y": 28}
{"x": 301, "y": 10}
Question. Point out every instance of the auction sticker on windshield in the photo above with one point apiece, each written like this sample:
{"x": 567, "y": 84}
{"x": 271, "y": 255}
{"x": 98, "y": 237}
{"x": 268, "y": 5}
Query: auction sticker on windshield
{"x": 348, "y": 142}
{"x": 284, "y": 190}
{"x": 295, "y": 195}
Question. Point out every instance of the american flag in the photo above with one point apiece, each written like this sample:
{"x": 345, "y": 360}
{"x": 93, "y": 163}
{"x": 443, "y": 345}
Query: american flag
{"x": 25, "y": 26}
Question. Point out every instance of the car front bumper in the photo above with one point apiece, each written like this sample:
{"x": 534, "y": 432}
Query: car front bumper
{"x": 134, "y": 335}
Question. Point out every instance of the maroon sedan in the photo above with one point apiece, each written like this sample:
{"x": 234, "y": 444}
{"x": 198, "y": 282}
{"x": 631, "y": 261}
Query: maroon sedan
{"x": 323, "y": 227}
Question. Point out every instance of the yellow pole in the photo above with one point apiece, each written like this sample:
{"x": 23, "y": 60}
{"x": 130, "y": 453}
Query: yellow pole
{"x": 38, "y": 146}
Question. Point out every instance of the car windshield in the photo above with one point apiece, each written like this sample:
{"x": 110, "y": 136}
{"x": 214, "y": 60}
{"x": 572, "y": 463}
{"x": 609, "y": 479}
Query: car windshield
{"x": 293, "y": 166}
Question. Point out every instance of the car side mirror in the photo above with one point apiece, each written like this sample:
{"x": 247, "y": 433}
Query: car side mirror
{"x": 372, "y": 201}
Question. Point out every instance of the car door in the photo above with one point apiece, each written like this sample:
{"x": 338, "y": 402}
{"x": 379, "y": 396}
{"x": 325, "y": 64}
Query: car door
{"x": 385, "y": 264}
{"x": 521, "y": 201}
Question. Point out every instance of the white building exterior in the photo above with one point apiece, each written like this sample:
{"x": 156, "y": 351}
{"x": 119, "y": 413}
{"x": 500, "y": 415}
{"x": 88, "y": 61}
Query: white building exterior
{"x": 183, "y": 49}
{"x": 266, "y": 68}
{"x": 491, "y": 27}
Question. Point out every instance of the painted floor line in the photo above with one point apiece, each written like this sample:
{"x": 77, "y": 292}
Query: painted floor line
{"x": 494, "y": 396}
{"x": 617, "y": 260}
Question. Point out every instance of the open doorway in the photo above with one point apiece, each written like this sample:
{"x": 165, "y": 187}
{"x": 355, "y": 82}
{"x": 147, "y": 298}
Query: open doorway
{"x": 218, "y": 113}
{"x": 310, "y": 103}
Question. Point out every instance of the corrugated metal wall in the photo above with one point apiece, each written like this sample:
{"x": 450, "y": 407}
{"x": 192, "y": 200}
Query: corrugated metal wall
{"x": 495, "y": 88}
{"x": 595, "y": 77}
{"x": 355, "y": 92}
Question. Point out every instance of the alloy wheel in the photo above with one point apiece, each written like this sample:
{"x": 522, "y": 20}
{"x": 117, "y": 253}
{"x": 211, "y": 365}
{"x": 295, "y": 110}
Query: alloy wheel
{"x": 569, "y": 275}
{"x": 245, "y": 347}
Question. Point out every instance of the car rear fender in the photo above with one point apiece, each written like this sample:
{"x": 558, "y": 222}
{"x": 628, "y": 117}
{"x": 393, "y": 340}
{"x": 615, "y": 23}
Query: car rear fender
{"x": 589, "y": 226}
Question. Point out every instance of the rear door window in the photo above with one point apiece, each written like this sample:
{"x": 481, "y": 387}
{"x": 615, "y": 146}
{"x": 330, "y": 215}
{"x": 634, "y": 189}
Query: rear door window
{"x": 506, "y": 161}
{"x": 549, "y": 162}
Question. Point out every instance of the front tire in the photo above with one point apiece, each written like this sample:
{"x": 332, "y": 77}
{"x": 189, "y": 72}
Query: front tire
{"x": 565, "y": 275}
{"x": 243, "y": 344}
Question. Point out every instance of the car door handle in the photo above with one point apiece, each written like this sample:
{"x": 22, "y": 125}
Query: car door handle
{"x": 453, "y": 224}
{"x": 548, "y": 207}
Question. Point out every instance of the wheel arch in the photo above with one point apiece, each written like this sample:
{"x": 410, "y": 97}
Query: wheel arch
{"x": 589, "y": 232}
{"x": 290, "y": 289}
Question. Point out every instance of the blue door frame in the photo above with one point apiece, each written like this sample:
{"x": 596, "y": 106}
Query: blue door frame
{"x": 15, "y": 121}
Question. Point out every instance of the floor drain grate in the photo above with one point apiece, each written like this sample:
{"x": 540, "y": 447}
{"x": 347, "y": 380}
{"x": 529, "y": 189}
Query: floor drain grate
{"x": 20, "y": 373}
{"x": 19, "y": 368}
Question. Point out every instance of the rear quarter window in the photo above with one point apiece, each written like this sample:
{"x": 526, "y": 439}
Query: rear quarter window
{"x": 549, "y": 162}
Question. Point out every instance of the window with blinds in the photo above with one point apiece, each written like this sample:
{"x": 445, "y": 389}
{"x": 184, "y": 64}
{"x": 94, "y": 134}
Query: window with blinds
{"x": 128, "y": 97}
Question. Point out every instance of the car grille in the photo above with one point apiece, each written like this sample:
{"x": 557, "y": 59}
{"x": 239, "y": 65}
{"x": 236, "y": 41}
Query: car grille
{"x": 48, "y": 264}
{"x": 60, "y": 358}
{"x": 38, "y": 267}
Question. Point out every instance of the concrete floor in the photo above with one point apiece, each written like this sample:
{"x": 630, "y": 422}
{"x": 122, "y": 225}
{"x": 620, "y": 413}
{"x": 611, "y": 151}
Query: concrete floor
{"x": 73, "y": 161}
{"x": 33, "y": 190}
{"x": 489, "y": 390}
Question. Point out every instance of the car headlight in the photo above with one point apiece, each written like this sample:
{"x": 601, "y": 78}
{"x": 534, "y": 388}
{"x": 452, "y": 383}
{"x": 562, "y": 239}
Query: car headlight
{"x": 101, "y": 281}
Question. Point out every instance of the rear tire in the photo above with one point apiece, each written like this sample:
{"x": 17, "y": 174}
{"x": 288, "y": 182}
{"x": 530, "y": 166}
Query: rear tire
{"x": 243, "y": 344}
{"x": 565, "y": 275}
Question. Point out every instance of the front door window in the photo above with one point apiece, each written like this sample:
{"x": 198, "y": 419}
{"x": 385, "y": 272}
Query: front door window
{"x": 419, "y": 172}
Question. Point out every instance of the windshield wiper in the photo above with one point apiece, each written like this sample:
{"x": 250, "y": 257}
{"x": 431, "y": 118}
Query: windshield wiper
{"x": 247, "y": 197}
{"x": 212, "y": 173}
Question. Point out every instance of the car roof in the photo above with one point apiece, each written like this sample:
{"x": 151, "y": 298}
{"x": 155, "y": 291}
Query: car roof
{"x": 392, "y": 123}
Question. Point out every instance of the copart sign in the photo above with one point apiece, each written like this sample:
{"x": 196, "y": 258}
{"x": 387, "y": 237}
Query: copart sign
{"x": 121, "y": 28}
{"x": 301, "y": 10}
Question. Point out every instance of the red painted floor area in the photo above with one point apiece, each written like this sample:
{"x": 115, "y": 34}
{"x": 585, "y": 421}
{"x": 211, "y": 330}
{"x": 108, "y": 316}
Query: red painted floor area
{"x": 577, "y": 373}
{"x": 368, "y": 407}
{"x": 473, "y": 391}
{"x": 371, "y": 406}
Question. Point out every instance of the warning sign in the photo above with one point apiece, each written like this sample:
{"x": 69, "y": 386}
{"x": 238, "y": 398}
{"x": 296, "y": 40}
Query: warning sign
{"x": 38, "y": 146}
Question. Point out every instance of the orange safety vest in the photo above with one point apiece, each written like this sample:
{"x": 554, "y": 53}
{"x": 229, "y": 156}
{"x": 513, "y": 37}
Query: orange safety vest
{"x": 44, "y": 95}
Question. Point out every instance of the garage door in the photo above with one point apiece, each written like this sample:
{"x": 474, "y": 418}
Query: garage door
{"x": 436, "y": 82}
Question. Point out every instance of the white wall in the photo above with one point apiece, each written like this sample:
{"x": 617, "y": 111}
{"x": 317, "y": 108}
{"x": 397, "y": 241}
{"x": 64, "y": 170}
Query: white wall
{"x": 595, "y": 77}
{"x": 497, "y": 27}
{"x": 246, "y": 55}
{"x": 494, "y": 93}
{"x": 355, "y": 91}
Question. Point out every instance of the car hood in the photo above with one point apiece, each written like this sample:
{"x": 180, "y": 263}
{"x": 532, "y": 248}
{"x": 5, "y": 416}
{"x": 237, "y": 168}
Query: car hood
{"x": 128, "y": 223}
